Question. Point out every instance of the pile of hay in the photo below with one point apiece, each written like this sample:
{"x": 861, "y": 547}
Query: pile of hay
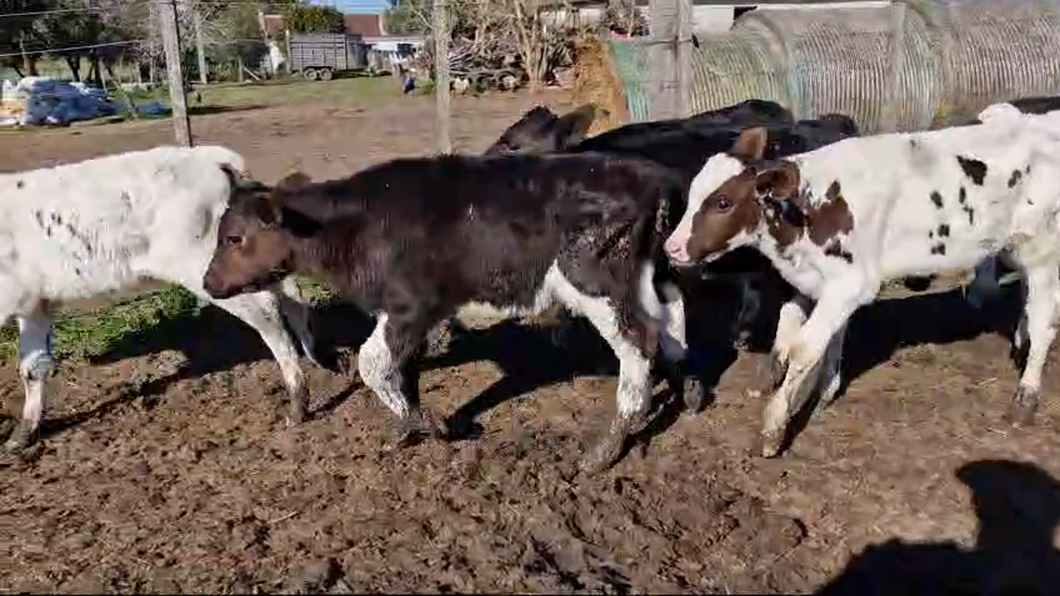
{"x": 596, "y": 81}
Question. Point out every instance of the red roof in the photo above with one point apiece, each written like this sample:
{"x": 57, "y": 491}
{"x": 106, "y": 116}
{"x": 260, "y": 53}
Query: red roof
{"x": 367, "y": 25}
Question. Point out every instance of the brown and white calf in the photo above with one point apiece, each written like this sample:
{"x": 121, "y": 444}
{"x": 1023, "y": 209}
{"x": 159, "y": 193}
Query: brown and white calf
{"x": 414, "y": 240}
{"x": 839, "y": 221}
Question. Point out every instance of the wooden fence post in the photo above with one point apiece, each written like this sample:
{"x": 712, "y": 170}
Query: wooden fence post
{"x": 442, "y": 103}
{"x": 171, "y": 45}
{"x": 670, "y": 56}
{"x": 889, "y": 113}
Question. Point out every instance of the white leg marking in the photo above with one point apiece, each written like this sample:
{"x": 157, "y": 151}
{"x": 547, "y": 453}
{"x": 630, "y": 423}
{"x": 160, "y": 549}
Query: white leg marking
{"x": 379, "y": 371}
{"x": 1043, "y": 292}
{"x": 671, "y": 313}
{"x": 634, "y": 369}
{"x": 261, "y": 310}
{"x": 35, "y": 364}
{"x": 792, "y": 318}
{"x": 838, "y": 302}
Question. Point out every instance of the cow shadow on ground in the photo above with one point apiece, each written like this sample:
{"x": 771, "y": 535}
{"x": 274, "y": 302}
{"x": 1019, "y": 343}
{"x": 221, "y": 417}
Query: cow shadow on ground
{"x": 215, "y": 341}
{"x": 1018, "y": 509}
{"x": 878, "y": 331}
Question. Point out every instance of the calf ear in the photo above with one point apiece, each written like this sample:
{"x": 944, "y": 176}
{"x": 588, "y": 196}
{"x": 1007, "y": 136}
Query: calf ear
{"x": 751, "y": 143}
{"x": 571, "y": 128}
{"x": 781, "y": 182}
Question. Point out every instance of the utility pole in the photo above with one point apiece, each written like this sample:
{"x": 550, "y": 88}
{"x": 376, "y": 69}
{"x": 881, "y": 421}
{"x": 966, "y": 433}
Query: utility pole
{"x": 440, "y": 30}
{"x": 199, "y": 45}
{"x": 171, "y": 45}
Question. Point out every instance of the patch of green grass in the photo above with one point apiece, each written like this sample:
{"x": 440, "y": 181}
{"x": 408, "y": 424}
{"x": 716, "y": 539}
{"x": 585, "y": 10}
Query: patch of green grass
{"x": 296, "y": 90}
{"x": 92, "y": 334}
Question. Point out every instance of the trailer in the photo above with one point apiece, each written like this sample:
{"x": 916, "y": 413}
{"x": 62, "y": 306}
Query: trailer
{"x": 318, "y": 56}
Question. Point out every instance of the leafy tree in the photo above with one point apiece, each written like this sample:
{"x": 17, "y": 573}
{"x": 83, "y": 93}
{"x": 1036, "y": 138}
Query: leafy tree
{"x": 306, "y": 18}
{"x": 17, "y": 35}
{"x": 407, "y": 17}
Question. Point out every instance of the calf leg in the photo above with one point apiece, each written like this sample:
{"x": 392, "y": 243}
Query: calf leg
{"x": 833, "y": 374}
{"x": 1040, "y": 310}
{"x": 34, "y": 367}
{"x": 383, "y": 363}
{"x": 673, "y": 343}
{"x": 750, "y": 303}
{"x": 791, "y": 319}
{"x": 261, "y": 310}
{"x": 984, "y": 287}
{"x": 634, "y": 349}
{"x": 298, "y": 312}
{"x": 838, "y": 302}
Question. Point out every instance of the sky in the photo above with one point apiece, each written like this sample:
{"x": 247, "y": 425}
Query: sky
{"x": 354, "y": 6}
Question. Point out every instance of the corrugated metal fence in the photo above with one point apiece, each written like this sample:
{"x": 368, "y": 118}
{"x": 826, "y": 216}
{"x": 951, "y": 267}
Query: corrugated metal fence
{"x": 955, "y": 57}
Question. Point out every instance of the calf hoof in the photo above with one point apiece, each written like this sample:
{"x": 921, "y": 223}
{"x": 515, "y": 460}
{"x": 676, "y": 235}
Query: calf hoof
{"x": 771, "y": 443}
{"x": 692, "y": 396}
{"x": 7, "y": 426}
{"x": 607, "y": 452}
{"x": 742, "y": 343}
{"x": 21, "y": 446}
{"x": 438, "y": 342}
{"x": 1023, "y": 407}
{"x": 295, "y": 412}
{"x": 416, "y": 428}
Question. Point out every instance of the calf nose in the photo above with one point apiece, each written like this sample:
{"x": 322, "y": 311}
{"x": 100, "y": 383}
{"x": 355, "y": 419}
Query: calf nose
{"x": 675, "y": 249}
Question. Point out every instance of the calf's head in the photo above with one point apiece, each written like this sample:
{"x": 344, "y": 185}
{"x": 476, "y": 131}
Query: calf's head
{"x": 256, "y": 236}
{"x": 734, "y": 198}
{"x": 542, "y": 131}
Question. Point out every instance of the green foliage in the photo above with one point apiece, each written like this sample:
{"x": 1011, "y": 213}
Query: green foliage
{"x": 406, "y": 17}
{"x": 306, "y": 18}
{"x": 240, "y": 23}
{"x": 93, "y": 334}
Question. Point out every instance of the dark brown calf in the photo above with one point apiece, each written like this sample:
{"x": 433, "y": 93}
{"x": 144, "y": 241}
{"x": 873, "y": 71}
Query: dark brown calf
{"x": 413, "y": 240}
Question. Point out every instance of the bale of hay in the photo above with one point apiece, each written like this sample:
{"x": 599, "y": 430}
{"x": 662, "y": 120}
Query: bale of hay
{"x": 596, "y": 81}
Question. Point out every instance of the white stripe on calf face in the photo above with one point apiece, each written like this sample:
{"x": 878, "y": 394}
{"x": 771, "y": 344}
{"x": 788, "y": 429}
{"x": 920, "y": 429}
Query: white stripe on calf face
{"x": 715, "y": 172}
{"x": 376, "y": 363}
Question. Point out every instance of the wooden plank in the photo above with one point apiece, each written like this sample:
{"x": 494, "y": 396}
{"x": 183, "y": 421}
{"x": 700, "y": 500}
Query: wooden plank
{"x": 171, "y": 45}
{"x": 442, "y": 108}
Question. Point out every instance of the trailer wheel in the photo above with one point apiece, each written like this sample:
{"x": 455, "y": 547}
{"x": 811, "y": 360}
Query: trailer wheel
{"x": 325, "y": 74}
{"x": 310, "y": 74}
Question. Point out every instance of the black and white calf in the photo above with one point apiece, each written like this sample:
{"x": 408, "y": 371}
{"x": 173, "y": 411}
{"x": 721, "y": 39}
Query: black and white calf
{"x": 78, "y": 230}
{"x": 414, "y": 240}
{"x": 840, "y": 221}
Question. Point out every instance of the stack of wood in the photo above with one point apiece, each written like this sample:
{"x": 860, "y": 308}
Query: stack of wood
{"x": 479, "y": 66}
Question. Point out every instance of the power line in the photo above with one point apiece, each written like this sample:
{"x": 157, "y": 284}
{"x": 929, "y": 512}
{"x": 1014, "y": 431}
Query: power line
{"x": 72, "y": 48}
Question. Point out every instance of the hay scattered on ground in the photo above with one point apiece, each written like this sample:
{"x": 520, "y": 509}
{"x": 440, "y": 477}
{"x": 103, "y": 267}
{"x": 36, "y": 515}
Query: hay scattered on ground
{"x": 596, "y": 81}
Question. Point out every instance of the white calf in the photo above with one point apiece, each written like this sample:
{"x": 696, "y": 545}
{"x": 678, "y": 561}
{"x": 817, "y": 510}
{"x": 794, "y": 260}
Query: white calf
{"x": 77, "y": 230}
{"x": 839, "y": 221}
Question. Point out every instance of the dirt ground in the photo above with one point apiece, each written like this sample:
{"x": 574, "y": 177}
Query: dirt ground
{"x": 166, "y": 469}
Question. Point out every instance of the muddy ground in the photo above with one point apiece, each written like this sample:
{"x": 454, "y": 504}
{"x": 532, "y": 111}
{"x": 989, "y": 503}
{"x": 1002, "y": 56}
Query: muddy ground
{"x": 165, "y": 468}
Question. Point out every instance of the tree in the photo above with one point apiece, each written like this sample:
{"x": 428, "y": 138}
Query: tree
{"x": 306, "y": 18}
{"x": 17, "y": 37}
{"x": 407, "y": 17}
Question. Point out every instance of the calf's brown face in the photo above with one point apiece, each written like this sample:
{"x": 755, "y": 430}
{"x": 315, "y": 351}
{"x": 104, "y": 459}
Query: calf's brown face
{"x": 730, "y": 198}
{"x": 253, "y": 249}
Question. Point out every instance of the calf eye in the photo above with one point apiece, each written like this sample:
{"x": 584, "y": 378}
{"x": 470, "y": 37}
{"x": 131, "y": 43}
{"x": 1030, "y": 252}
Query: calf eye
{"x": 723, "y": 204}
{"x": 234, "y": 240}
